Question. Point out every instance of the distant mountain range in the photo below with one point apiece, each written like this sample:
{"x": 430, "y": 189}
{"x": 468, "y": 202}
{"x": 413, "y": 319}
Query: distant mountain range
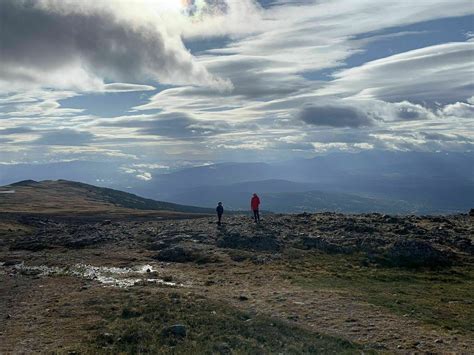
{"x": 384, "y": 181}
{"x": 395, "y": 182}
{"x": 286, "y": 196}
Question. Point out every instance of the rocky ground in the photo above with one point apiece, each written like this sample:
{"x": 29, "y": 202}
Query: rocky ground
{"x": 355, "y": 283}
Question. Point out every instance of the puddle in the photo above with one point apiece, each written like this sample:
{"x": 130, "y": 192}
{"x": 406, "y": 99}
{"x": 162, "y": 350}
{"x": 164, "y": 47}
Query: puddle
{"x": 108, "y": 276}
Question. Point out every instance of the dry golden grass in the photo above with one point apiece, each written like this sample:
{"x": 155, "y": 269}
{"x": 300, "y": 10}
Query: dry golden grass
{"x": 66, "y": 198}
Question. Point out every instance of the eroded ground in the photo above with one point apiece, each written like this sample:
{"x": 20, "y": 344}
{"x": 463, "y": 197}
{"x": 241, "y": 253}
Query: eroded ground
{"x": 293, "y": 284}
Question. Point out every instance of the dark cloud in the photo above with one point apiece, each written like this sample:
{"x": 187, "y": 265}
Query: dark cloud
{"x": 435, "y": 136}
{"x": 335, "y": 116}
{"x": 42, "y": 37}
{"x": 67, "y": 137}
{"x": 182, "y": 127}
{"x": 405, "y": 113}
{"x": 174, "y": 125}
{"x": 15, "y": 130}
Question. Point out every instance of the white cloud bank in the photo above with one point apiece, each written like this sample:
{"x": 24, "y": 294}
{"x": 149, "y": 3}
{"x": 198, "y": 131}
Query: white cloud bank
{"x": 80, "y": 45}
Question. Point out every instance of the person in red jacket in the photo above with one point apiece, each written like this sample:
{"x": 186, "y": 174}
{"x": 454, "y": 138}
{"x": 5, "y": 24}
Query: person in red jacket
{"x": 254, "y": 204}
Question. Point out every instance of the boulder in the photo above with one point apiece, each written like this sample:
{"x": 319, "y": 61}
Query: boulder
{"x": 265, "y": 243}
{"x": 322, "y": 244}
{"x": 415, "y": 253}
{"x": 158, "y": 245}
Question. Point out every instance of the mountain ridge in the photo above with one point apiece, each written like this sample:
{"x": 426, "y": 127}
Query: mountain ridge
{"x": 72, "y": 196}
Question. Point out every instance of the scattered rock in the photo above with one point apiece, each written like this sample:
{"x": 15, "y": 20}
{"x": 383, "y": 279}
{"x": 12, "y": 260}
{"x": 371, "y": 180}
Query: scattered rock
{"x": 322, "y": 244}
{"x": 158, "y": 245}
{"x": 256, "y": 243}
{"x": 414, "y": 253}
{"x": 11, "y": 262}
{"x": 107, "y": 338}
{"x": 222, "y": 348}
{"x": 177, "y": 330}
{"x": 183, "y": 254}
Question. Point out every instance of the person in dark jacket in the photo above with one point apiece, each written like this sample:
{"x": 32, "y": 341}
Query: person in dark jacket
{"x": 220, "y": 212}
{"x": 254, "y": 205}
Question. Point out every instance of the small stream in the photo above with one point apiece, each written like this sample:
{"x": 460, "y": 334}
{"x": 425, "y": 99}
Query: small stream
{"x": 108, "y": 276}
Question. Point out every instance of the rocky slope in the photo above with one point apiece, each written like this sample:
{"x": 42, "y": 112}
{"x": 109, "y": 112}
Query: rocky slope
{"x": 383, "y": 283}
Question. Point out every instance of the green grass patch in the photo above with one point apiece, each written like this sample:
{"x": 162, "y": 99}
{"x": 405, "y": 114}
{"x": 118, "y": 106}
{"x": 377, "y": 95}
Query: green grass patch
{"x": 443, "y": 298}
{"x": 136, "y": 321}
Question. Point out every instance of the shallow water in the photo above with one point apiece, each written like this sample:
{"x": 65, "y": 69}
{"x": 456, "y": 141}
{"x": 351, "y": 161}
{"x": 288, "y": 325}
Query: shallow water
{"x": 108, "y": 276}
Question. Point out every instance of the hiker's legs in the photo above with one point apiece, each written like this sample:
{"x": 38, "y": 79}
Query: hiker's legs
{"x": 219, "y": 217}
{"x": 258, "y": 216}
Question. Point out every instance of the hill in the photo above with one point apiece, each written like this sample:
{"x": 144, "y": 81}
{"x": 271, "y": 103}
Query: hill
{"x": 62, "y": 196}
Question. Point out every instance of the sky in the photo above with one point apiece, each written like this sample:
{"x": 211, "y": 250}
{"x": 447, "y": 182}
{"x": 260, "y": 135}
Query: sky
{"x": 156, "y": 84}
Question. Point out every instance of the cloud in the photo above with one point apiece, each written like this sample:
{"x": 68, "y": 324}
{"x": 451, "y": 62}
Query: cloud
{"x": 15, "y": 130}
{"x": 144, "y": 176}
{"x": 459, "y": 109}
{"x": 172, "y": 125}
{"x": 441, "y": 73}
{"x": 60, "y": 44}
{"x": 124, "y": 87}
{"x": 442, "y": 136}
{"x": 332, "y": 115}
{"x": 408, "y": 111}
{"x": 64, "y": 137}
{"x": 43, "y": 108}
{"x": 284, "y": 102}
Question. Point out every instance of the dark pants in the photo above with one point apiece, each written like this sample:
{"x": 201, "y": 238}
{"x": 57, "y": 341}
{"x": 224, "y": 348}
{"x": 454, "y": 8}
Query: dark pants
{"x": 219, "y": 217}
{"x": 256, "y": 216}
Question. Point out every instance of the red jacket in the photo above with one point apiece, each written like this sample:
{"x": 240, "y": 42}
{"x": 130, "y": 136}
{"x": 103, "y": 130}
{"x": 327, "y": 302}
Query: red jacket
{"x": 255, "y": 203}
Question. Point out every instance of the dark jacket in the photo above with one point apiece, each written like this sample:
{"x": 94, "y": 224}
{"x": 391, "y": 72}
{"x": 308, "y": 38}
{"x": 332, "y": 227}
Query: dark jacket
{"x": 220, "y": 209}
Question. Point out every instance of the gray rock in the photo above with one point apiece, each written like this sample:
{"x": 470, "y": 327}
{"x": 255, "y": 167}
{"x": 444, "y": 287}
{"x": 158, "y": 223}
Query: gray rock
{"x": 183, "y": 254}
{"x": 322, "y": 244}
{"x": 415, "y": 253}
{"x": 176, "y": 330}
{"x": 255, "y": 243}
